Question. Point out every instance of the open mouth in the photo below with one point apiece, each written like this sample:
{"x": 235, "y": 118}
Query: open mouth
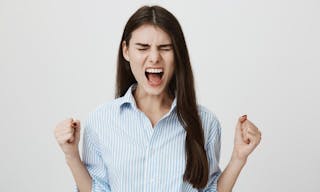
{"x": 154, "y": 75}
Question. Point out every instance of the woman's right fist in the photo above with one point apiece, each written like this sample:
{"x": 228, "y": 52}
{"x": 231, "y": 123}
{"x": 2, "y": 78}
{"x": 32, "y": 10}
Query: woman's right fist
{"x": 67, "y": 134}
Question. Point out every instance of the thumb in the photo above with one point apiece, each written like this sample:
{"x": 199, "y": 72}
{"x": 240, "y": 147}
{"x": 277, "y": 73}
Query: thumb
{"x": 238, "y": 135}
{"x": 76, "y": 126}
{"x": 243, "y": 118}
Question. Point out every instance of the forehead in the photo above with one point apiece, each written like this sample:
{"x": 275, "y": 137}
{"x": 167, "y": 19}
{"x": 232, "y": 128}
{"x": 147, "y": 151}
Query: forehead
{"x": 150, "y": 34}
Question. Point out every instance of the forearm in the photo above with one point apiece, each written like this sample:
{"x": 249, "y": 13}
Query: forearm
{"x": 80, "y": 173}
{"x": 230, "y": 175}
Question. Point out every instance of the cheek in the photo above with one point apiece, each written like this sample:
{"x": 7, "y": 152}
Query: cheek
{"x": 170, "y": 62}
{"x": 137, "y": 59}
{"x": 136, "y": 68}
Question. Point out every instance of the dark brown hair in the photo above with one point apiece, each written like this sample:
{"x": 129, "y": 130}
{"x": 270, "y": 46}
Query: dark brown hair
{"x": 181, "y": 85}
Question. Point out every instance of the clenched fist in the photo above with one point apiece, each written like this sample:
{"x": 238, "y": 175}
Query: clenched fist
{"x": 67, "y": 134}
{"x": 247, "y": 138}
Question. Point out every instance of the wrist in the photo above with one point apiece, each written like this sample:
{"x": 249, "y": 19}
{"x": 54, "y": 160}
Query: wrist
{"x": 238, "y": 162}
{"x": 72, "y": 157}
{"x": 238, "y": 159}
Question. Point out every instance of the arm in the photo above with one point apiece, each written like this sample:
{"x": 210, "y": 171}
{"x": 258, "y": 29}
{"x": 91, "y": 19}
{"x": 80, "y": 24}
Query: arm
{"x": 247, "y": 137}
{"x": 80, "y": 173}
{"x": 230, "y": 175}
{"x": 91, "y": 173}
{"x": 92, "y": 158}
{"x": 67, "y": 134}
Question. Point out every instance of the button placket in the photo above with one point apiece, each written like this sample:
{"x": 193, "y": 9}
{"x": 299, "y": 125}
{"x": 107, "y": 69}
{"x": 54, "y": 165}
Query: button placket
{"x": 150, "y": 179}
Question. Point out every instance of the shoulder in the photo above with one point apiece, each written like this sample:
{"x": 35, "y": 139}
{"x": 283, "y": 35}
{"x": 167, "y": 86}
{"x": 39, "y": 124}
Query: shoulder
{"x": 206, "y": 115}
{"x": 210, "y": 123}
{"x": 102, "y": 113}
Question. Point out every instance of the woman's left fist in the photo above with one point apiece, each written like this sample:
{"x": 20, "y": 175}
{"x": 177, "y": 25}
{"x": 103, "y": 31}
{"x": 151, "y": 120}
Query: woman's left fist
{"x": 247, "y": 138}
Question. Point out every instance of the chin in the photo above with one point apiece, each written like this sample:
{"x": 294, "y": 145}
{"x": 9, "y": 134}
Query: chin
{"x": 155, "y": 90}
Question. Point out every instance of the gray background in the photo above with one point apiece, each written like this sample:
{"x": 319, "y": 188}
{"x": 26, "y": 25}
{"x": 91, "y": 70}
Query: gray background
{"x": 259, "y": 58}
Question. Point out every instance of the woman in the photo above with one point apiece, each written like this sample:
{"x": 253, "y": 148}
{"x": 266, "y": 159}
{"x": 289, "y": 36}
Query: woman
{"x": 153, "y": 136}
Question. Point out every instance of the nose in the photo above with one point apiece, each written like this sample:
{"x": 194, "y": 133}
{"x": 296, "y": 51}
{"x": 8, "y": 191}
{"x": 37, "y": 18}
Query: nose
{"x": 154, "y": 56}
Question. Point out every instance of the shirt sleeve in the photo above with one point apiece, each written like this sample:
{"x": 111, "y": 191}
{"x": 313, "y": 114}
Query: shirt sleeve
{"x": 92, "y": 159}
{"x": 213, "y": 154}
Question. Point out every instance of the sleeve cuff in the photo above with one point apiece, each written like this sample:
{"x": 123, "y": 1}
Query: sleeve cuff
{"x": 96, "y": 187}
{"x": 213, "y": 185}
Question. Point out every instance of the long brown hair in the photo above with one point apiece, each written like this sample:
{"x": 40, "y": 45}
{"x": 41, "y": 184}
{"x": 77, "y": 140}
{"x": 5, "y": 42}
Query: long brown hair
{"x": 181, "y": 85}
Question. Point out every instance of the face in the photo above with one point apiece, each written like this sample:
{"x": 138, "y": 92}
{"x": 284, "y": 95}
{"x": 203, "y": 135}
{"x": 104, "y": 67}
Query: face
{"x": 151, "y": 57}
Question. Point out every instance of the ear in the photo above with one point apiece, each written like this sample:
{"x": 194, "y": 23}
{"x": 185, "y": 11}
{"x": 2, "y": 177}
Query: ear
{"x": 125, "y": 50}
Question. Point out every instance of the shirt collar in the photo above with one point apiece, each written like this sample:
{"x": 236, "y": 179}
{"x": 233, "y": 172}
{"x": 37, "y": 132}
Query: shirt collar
{"x": 128, "y": 99}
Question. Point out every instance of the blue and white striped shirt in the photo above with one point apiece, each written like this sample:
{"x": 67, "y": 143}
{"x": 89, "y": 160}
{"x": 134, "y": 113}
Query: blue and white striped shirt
{"x": 123, "y": 152}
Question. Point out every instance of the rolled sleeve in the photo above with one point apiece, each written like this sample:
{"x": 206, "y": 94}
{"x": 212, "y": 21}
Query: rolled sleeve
{"x": 213, "y": 154}
{"x": 92, "y": 159}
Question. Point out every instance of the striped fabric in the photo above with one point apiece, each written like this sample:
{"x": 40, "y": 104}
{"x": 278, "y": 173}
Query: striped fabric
{"x": 123, "y": 152}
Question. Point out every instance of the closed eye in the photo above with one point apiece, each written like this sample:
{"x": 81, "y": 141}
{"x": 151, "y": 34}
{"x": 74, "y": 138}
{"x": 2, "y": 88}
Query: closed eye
{"x": 142, "y": 46}
{"x": 142, "y": 49}
{"x": 166, "y": 49}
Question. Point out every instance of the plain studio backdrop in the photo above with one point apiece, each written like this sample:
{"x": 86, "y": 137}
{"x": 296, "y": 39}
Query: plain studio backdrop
{"x": 261, "y": 58}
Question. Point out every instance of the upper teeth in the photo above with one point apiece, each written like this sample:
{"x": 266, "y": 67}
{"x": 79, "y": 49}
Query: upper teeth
{"x": 154, "y": 70}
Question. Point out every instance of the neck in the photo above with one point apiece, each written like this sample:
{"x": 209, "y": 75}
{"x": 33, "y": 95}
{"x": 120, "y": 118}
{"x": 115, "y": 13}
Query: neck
{"x": 152, "y": 103}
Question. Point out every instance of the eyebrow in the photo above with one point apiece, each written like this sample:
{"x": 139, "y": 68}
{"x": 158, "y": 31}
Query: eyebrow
{"x": 160, "y": 46}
